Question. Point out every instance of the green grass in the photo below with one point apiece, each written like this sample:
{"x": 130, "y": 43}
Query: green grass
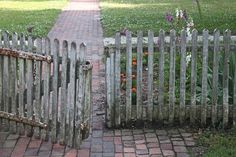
{"x": 18, "y": 15}
{"x": 219, "y": 144}
{"x": 149, "y": 14}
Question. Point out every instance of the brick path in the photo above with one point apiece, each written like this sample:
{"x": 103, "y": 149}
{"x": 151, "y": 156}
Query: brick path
{"x": 80, "y": 22}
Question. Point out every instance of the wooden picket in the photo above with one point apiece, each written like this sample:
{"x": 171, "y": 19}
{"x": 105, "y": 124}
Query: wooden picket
{"x": 42, "y": 92}
{"x": 215, "y": 77}
{"x": 159, "y": 86}
{"x": 128, "y": 77}
{"x": 172, "y": 76}
{"x": 150, "y": 75}
{"x": 193, "y": 77}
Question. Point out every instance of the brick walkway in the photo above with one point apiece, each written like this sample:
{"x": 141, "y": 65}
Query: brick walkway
{"x": 79, "y": 22}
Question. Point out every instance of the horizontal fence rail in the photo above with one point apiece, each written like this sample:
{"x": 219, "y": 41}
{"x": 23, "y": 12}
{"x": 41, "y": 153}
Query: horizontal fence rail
{"x": 183, "y": 81}
{"x": 45, "y": 88}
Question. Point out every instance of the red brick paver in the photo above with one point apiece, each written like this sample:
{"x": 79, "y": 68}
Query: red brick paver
{"x": 80, "y": 22}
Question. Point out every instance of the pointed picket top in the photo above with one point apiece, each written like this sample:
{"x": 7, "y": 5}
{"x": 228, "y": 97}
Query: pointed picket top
{"x": 64, "y": 44}
{"x": 194, "y": 31}
{"x": 55, "y": 47}
{"x": 39, "y": 45}
{"x": 227, "y": 36}
{"x": 216, "y": 30}
{"x": 82, "y": 52}
{"x": 205, "y": 31}
{"x": 172, "y": 31}
{"x": 83, "y": 44}
{"x": 73, "y": 46}
{"x": 227, "y": 31}
{"x": 14, "y": 40}
{"x": 48, "y": 46}
{"x": 6, "y": 42}
{"x": 5, "y": 32}
{"x": 43, "y": 46}
{"x": 22, "y": 42}
{"x": 56, "y": 42}
{"x": 161, "y": 39}
{"x": 30, "y": 43}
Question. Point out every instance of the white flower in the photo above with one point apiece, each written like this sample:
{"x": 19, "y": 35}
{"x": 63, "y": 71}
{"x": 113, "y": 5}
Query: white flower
{"x": 181, "y": 13}
{"x": 190, "y": 24}
{"x": 177, "y": 12}
{"x": 188, "y": 59}
{"x": 188, "y": 32}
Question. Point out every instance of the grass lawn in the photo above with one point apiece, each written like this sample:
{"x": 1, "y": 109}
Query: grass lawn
{"x": 18, "y": 15}
{"x": 150, "y": 14}
{"x": 219, "y": 144}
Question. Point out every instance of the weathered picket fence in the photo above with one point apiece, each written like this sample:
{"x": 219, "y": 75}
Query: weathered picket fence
{"x": 45, "y": 88}
{"x": 181, "y": 70}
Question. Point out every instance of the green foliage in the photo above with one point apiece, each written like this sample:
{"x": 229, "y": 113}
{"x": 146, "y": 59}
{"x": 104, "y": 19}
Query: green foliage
{"x": 17, "y": 16}
{"x": 219, "y": 144}
{"x": 150, "y": 14}
{"x": 188, "y": 75}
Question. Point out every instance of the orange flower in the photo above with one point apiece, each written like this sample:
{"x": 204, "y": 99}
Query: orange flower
{"x": 133, "y": 90}
{"x": 134, "y": 63}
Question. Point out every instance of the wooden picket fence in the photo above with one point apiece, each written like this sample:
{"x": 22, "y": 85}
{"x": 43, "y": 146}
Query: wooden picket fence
{"x": 45, "y": 88}
{"x": 181, "y": 69}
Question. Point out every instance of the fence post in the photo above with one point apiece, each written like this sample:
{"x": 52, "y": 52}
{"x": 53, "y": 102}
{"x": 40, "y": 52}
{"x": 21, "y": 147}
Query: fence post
{"x": 118, "y": 114}
{"x": 80, "y": 90}
{"x": 108, "y": 89}
{"x": 161, "y": 115}
{"x": 112, "y": 69}
{"x": 227, "y": 36}
{"x": 215, "y": 77}
{"x": 109, "y": 116}
{"x": 193, "y": 77}
{"x": 204, "y": 77}
{"x": 128, "y": 76}
{"x": 85, "y": 126}
{"x": 182, "y": 108}
{"x": 172, "y": 76}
